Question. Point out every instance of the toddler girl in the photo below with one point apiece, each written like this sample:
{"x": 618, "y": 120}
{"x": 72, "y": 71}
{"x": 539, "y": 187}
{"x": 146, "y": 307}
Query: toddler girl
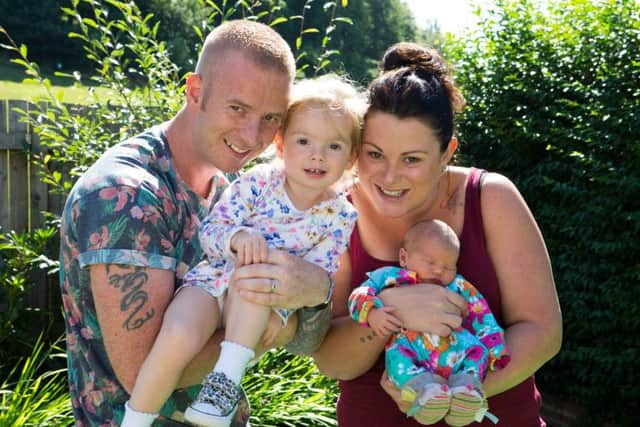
{"x": 290, "y": 204}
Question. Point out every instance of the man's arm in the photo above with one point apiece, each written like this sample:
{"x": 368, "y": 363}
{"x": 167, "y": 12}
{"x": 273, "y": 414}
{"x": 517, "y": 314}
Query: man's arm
{"x": 313, "y": 325}
{"x": 130, "y": 304}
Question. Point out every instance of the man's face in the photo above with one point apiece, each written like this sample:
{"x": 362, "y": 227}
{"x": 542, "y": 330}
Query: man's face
{"x": 240, "y": 111}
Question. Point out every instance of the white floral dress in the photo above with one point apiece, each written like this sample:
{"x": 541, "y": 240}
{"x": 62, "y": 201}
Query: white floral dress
{"x": 257, "y": 201}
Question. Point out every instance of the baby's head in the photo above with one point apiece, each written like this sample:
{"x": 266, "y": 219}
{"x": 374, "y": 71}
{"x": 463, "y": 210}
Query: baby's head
{"x": 322, "y": 129}
{"x": 431, "y": 249}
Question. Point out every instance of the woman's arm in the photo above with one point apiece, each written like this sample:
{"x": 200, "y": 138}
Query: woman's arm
{"x": 346, "y": 340}
{"x": 430, "y": 307}
{"x": 530, "y": 308}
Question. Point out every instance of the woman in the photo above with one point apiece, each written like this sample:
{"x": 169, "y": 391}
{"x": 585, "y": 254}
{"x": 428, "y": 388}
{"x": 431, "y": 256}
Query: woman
{"x": 405, "y": 177}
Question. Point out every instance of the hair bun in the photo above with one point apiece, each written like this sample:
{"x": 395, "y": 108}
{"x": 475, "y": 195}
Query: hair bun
{"x": 414, "y": 56}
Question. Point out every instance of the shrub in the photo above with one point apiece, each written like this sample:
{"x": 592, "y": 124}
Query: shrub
{"x": 553, "y": 102}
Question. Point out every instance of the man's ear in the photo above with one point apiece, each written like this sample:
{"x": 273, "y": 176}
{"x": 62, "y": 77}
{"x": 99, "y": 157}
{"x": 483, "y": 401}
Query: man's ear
{"x": 194, "y": 90}
{"x": 402, "y": 257}
{"x": 278, "y": 143}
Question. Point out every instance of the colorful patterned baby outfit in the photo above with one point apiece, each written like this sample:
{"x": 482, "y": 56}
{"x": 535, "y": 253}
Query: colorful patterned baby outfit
{"x": 258, "y": 203}
{"x": 475, "y": 347}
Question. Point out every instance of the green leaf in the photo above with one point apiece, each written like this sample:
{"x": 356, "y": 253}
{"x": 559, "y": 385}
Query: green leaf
{"x": 277, "y": 21}
{"x": 310, "y": 30}
{"x": 344, "y": 19}
{"x": 23, "y": 50}
{"x": 90, "y": 22}
{"x": 198, "y": 31}
{"x": 328, "y": 5}
{"x": 74, "y": 35}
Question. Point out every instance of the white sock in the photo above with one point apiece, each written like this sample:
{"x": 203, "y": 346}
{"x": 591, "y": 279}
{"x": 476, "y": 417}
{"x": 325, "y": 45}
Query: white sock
{"x": 133, "y": 418}
{"x": 233, "y": 360}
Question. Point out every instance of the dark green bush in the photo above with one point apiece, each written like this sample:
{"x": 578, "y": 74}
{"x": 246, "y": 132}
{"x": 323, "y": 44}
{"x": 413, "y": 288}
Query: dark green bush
{"x": 553, "y": 102}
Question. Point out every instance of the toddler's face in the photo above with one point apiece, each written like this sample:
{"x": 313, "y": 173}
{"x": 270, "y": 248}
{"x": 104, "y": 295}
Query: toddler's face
{"x": 316, "y": 147}
{"x": 433, "y": 261}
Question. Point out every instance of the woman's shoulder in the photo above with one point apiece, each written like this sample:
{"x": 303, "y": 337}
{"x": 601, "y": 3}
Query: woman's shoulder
{"x": 498, "y": 189}
{"x": 492, "y": 184}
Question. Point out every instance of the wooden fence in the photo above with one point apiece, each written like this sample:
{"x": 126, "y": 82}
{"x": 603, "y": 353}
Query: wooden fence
{"x": 23, "y": 196}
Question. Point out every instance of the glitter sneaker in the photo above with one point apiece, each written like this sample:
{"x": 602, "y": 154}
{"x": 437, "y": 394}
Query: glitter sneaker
{"x": 216, "y": 403}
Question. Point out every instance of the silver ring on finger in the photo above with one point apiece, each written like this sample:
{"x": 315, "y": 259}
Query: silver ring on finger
{"x": 274, "y": 285}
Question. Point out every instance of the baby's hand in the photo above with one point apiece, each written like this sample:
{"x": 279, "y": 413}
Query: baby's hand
{"x": 383, "y": 322}
{"x": 273, "y": 328}
{"x": 250, "y": 248}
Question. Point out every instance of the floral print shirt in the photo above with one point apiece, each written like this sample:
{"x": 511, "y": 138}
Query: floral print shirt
{"x": 129, "y": 208}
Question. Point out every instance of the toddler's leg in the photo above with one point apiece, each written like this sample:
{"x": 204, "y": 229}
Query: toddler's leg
{"x": 245, "y": 323}
{"x": 189, "y": 321}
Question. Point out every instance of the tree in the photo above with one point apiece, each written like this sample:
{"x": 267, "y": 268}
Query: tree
{"x": 41, "y": 26}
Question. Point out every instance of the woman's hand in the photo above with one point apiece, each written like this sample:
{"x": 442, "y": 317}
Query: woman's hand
{"x": 426, "y": 308}
{"x": 286, "y": 281}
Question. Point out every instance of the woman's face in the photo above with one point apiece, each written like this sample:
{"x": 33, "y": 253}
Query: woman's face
{"x": 400, "y": 164}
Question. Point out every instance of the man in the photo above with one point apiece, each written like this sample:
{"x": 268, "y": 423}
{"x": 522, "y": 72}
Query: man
{"x": 129, "y": 227}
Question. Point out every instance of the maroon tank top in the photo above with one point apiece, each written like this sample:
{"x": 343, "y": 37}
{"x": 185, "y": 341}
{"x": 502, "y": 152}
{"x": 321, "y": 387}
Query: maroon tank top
{"x": 362, "y": 402}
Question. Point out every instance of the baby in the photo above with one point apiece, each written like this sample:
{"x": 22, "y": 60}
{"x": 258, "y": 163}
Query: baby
{"x": 442, "y": 376}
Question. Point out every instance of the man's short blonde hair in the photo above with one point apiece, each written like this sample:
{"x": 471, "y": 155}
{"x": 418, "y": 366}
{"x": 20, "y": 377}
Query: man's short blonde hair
{"x": 259, "y": 41}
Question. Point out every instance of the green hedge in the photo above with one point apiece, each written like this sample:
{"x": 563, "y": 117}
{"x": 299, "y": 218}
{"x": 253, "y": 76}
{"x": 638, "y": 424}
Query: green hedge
{"x": 553, "y": 101}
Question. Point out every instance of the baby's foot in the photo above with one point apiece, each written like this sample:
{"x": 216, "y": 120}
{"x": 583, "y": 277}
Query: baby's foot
{"x": 467, "y": 401}
{"x": 430, "y": 397}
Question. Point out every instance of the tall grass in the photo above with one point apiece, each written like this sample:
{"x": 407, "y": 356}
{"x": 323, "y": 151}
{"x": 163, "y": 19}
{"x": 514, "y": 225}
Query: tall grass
{"x": 31, "y": 398}
{"x": 287, "y": 390}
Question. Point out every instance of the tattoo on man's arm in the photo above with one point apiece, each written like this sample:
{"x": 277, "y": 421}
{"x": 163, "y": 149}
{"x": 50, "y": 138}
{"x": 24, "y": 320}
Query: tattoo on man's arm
{"x": 130, "y": 282}
{"x": 369, "y": 337}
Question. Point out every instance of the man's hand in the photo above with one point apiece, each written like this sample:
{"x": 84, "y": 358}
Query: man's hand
{"x": 382, "y": 322}
{"x": 298, "y": 283}
{"x": 250, "y": 248}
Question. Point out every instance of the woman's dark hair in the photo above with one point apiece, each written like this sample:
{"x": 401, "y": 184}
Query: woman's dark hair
{"x": 415, "y": 83}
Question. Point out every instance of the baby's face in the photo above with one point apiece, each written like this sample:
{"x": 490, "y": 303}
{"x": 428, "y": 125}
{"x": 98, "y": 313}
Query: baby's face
{"x": 433, "y": 261}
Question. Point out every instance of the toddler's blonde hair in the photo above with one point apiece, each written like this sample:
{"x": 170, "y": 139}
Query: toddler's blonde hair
{"x": 335, "y": 94}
